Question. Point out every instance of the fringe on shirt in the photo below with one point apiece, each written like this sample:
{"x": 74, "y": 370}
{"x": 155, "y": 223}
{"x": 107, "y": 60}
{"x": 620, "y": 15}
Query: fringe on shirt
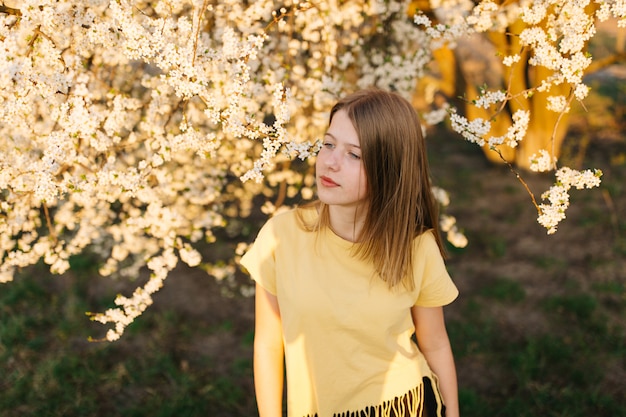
{"x": 422, "y": 401}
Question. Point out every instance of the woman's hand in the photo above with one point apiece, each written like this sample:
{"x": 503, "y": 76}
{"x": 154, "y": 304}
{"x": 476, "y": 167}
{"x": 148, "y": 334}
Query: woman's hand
{"x": 433, "y": 341}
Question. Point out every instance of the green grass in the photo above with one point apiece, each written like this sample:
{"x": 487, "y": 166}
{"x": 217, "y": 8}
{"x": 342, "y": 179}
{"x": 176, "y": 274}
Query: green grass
{"x": 49, "y": 368}
{"x": 475, "y": 336}
{"x": 505, "y": 290}
{"x": 556, "y": 373}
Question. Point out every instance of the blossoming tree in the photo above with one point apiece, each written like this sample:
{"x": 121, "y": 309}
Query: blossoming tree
{"x": 135, "y": 128}
{"x": 536, "y": 53}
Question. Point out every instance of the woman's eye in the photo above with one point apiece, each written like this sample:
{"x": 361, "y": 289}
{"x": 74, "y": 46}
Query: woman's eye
{"x": 354, "y": 155}
{"x": 328, "y": 145}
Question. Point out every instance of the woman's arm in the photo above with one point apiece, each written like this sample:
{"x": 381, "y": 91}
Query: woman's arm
{"x": 433, "y": 341}
{"x": 268, "y": 354}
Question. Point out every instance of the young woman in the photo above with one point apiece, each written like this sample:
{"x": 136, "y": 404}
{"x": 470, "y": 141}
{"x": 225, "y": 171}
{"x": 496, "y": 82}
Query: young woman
{"x": 344, "y": 283}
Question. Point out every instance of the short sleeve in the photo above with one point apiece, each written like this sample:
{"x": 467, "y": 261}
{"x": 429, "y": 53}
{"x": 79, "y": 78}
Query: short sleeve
{"x": 436, "y": 288}
{"x": 260, "y": 261}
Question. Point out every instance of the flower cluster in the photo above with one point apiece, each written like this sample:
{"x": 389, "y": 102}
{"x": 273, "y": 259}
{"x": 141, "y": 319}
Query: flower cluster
{"x": 557, "y": 197}
{"x": 448, "y": 223}
{"x": 552, "y": 211}
{"x": 542, "y": 162}
{"x": 515, "y": 133}
{"x": 127, "y": 127}
{"x": 473, "y": 131}
{"x": 554, "y": 36}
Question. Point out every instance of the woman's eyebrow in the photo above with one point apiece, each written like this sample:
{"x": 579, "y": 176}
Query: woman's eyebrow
{"x": 348, "y": 144}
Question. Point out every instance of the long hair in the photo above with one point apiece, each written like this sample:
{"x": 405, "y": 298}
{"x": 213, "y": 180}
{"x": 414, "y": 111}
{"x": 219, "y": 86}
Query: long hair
{"x": 401, "y": 205}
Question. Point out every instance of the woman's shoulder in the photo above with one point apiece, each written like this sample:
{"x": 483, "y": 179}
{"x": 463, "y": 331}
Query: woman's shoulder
{"x": 426, "y": 242}
{"x": 426, "y": 235}
{"x": 292, "y": 217}
{"x": 281, "y": 218}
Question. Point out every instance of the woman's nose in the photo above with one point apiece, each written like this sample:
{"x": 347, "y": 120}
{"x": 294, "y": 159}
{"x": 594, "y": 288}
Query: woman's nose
{"x": 332, "y": 160}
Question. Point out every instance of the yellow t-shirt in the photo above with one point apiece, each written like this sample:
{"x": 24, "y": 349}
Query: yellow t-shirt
{"x": 347, "y": 336}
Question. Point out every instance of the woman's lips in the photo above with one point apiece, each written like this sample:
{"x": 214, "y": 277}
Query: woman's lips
{"x": 327, "y": 182}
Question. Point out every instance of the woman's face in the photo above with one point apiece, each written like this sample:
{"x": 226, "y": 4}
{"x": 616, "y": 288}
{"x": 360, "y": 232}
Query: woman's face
{"x": 339, "y": 169}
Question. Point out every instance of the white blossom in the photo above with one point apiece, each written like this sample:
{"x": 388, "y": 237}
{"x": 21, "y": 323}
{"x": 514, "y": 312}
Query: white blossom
{"x": 517, "y": 132}
{"x": 557, "y": 198}
{"x": 473, "y": 131}
{"x": 542, "y": 162}
{"x": 441, "y": 196}
{"x": 448, "y": 226}
{"x": 509, "y": 60}
{"x": 123, "y": 132}
{"x": 483, "y": 16}
{"x": 437, "y": 116}
{"x": 558, "y": 104}
{"x": 190, "y": 256}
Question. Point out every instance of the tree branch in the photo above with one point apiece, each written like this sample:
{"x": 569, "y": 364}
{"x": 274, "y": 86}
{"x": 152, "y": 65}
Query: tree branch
{"x": 10, "y": 10}
{"x": 519, "y": 178}
{"x": 605, "y": 62}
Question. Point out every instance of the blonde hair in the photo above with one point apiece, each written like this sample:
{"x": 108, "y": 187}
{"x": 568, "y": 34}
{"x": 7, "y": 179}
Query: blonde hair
{"x": 401, "y": 205}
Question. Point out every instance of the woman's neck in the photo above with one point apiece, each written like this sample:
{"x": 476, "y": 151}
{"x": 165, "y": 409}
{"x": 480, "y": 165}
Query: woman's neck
{"x": 347, "y": 223}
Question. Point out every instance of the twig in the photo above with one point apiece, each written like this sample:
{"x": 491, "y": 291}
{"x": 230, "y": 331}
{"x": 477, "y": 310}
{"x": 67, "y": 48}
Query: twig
{"x": 519, "y": 178}
{"x": 49, "y": 223}
{"x": 282, "y": 193}
{"x": 10, "y": 10}
{"x": 602, "y": 63}
{"x": 31, "y": 43}
{"x": 558, "y": 121}
{"x": 298, "y": 8}
{"x": 205, "y": 6}
{"x": 611, "y": 206}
